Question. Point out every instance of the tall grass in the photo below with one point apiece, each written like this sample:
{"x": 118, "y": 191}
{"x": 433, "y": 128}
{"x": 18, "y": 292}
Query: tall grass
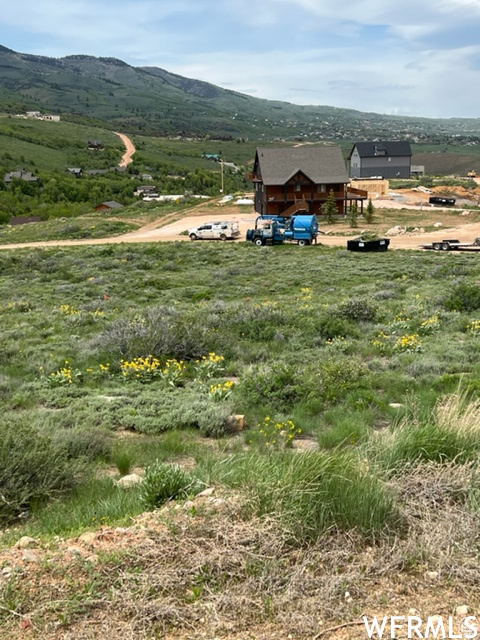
{"x": 87, "y": 507}
{"x": 309, "y": 493}
{"x": 346, "y": 428}
{"x": 448, "y": 432}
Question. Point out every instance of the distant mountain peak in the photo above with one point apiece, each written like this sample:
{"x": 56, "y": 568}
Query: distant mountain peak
{"x": 105, "y": 60}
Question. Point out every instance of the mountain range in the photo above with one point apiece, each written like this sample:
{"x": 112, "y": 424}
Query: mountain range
{"x": 153, "y": 101}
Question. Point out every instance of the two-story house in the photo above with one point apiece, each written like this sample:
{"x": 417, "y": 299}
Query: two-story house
{"x": 287, "y": 179}
{"x": 380, "y": 159}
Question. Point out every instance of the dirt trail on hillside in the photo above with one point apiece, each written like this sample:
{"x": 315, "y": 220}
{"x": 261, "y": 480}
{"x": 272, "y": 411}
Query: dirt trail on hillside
{"x": 127, "y": 157}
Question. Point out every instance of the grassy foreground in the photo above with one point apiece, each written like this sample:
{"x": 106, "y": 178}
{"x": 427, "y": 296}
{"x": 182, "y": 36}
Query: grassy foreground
{"x": 358, "y": 377}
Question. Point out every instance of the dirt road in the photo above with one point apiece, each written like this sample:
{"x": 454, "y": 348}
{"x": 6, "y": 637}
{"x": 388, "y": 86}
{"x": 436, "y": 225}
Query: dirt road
{"x": 170, "y": 229}
{"x": 153, "y": 232}
{"x": 127, "y": 157}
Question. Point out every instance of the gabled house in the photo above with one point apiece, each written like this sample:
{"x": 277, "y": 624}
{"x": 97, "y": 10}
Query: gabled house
{"x": 26, "y": 176}
{"x": 107, "y": 206}
{"x": 146, "y": 190}
{"x": 96, "y": 145}
{"x": 380, "y": 159}
{"x": 75, "y": 171}
{"x": 97, "y": 172}
{"x": 289, "y": 179}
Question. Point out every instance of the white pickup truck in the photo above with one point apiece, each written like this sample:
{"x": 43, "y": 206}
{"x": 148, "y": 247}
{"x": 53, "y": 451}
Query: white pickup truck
{"x": 215, "y": 231}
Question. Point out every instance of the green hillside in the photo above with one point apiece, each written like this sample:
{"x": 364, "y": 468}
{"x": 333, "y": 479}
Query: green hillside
{"x": 151, "y": 100}
{"x": 55, "y": 145}
{"x": 49, "y": 149}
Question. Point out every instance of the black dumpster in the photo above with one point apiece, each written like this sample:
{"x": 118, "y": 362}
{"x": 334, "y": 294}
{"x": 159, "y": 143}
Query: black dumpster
{"x": 448, "y": 202}
{"x": 381, "y": 244}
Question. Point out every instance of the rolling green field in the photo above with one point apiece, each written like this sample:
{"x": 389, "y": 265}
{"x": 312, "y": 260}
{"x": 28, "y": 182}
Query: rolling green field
{"x": 55, "y": 145}
{"x": 357, "y": 375}
{"x": 324, "y": 338}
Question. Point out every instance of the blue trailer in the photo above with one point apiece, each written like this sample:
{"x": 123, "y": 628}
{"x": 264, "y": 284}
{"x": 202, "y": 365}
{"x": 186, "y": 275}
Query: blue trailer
{"x": 301, "y": 228}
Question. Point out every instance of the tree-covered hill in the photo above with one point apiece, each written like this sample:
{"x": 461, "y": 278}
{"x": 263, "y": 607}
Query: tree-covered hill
{"x": 152, "y": 100}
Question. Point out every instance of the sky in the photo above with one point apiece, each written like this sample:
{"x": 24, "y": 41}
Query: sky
{"x": 408, "y": 57}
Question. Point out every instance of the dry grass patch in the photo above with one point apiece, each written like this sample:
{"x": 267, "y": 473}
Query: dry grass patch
{"x": 199, "y": 569}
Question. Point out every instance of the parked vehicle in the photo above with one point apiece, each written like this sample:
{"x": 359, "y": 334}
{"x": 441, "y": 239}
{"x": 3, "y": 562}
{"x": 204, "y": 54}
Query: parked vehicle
{"x": 453, "y": 245}
{"x": 302, "y": 229}
{"x": 446, "y": 202}
{"x": 220, "y": 230}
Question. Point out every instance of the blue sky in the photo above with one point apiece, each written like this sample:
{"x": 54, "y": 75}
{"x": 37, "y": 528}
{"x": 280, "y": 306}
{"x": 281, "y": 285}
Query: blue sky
{"x": 409, "y": 57}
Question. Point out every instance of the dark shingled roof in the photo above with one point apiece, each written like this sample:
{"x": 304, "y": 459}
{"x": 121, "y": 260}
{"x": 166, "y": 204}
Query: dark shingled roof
{"x": 323, "y": 165}
{"x": 111, "y": 204}
{"x": 373, "y": 149}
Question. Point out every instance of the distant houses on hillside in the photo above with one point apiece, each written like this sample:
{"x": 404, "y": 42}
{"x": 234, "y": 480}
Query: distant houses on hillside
{"x": 95, "y": 145}
{"x": 26, "y": 176}
{"x": 107, "y": 206}
{"x": 37, "y": 115}
{"x": 75, "y": 171}
{"x": 216, "y": 157}
{"x": 146, "y": 190}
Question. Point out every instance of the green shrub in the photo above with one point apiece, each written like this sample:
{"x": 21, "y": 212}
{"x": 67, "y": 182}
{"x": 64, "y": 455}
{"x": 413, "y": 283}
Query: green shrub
{"x": 158, "y": 331}
{"x": 164, "y": 482}
{"x": 463, "y": 297}
{"x": 282, "y": 385}
{"x": 328, "y": 326}
{"x": 358, "y": 309}
{"x": 331, "y": 379}
{"x": 257, "y": 322}
{"x": 87, "y": 442}
{"x": 369, "y": 212}
{"x": 273, "y": 384}
{"x": 33, "y": 467}
{"x": 150, "y": 410}
{"x": 180, "y": 409}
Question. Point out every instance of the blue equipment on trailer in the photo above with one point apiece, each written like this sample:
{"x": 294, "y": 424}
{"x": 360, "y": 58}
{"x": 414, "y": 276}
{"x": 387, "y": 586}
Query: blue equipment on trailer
{"x": 301, "y": 228}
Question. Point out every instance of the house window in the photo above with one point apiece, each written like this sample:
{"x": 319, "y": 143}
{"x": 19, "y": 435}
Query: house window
{"x": 298, "y": 187}
{"x": 321, "y": 188}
